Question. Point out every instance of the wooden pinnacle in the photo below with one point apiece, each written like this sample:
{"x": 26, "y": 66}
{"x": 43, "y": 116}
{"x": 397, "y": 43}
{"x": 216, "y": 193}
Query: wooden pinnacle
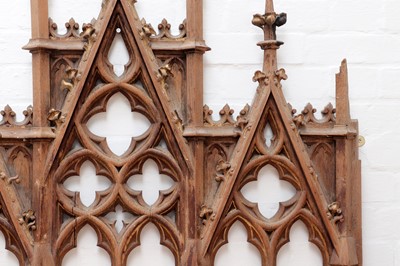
{"x": 269, "y": 6}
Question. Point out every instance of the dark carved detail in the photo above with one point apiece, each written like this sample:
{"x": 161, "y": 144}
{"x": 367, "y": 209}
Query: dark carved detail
{"x": 72, "y": 77}
{"x": 147, "y": 29}
{"x": 222, "y": 168}
{"x": 207, "y": 214}
{"x": 89, "y": 37}
{"x": 29, "y": 220}
{"x": 242, "y": 119}
{"x": 335, "y": 212}
{"x": 56, "y": 117}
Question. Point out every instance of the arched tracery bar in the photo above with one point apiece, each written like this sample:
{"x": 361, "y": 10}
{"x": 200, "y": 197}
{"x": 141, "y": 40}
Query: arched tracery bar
{"x": 208, "y": 162}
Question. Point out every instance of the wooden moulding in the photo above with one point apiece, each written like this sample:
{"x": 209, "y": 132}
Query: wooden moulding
{"x": 209, "y": 160}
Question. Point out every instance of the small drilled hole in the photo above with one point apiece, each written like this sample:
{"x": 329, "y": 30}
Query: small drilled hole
{"x": 118, "y": 30}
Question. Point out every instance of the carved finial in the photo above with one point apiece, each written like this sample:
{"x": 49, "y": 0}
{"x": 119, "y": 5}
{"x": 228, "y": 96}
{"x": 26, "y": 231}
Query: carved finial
{"x": 177, "y": 120}
{"x": 328, "y": 114}
{"x": 309, "y": 112}
{"x": 207, "y": 214}
{"x": 222, "y": 168}
{"x": 71, "y": 79}
{"x": 89, "y": 37}
{"x": 163, "y": 73}
{"x": 226, "y": 115}
{"x": 28, "y": 219}
{"x": 56, "y": 117}
{"x": 299, "y": 120}
{"x": 280, "y": 75}
{"x": 259, "y": 77}
{"x": 268, "y": 23}
{"x": 335, "y": 212}
{"x": 147, "y": 29}
{"x": 207, "y": 113}
{"x": 8, "y": 115}
{"x": 242, "y": 119}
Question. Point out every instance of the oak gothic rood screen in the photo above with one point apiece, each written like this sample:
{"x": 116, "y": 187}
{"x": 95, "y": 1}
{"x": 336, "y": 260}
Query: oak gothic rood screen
{"x": 208, "y": 162}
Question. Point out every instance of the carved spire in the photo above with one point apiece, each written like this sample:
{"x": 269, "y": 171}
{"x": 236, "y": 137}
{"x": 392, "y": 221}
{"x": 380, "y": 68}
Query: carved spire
{"x": 268, "y": 23}
{"x": 269, "y": 6}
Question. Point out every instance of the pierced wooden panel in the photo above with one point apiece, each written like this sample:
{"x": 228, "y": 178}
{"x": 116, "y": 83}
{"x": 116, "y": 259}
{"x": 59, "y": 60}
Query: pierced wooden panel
{"x": 208, "y": 163}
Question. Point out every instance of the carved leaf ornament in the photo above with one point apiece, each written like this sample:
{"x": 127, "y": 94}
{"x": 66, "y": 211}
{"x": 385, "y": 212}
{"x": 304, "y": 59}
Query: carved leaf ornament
{"x": 120, "y": 144}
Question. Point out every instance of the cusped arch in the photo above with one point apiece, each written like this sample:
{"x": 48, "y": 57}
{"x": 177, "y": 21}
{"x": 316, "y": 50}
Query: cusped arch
{"x": 170, "y": 237}
{"x": 12, "y": 242}
{"x": 255, "y": 233}
{"x": 66, "y": 240}
{"x": 317, "y": 234}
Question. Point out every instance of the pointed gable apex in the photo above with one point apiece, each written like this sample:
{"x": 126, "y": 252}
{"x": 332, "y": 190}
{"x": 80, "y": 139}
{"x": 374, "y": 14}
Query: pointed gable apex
{"x": 113, "y": 15}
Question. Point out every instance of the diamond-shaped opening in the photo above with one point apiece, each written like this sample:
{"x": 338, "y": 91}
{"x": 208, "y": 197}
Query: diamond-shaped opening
{"x": 151, "y": 252}
{"x": 87, "y": 183}
{"x": 6, "y": 257}
{"x": 238, "y": 251}
{"x": 151, "y": 182}
{"x": 299, "y": 251}
{"x": 268, "y": 191}
{"x": 118, "y": 54}
{"x": 118, "y": 124}
{"x": 120, "y": 218}
{"x": 87, "y": 252}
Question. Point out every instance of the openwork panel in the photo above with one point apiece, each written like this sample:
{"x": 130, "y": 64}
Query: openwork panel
{"x": 120, "y": 142}
{"x": 85, "y": 145}
{"x": 267, "y": 220}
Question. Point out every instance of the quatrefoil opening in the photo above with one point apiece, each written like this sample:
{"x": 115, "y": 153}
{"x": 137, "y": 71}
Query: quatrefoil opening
{"x": 151, "y": 185}
{"x": 268, "y": 191}
{"x": 119, "y": 125}
{"x": 88, "y": 184}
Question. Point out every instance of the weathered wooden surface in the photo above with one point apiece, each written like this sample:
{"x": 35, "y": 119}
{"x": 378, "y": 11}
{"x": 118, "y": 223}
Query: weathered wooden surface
{"x": 209, "y": 161}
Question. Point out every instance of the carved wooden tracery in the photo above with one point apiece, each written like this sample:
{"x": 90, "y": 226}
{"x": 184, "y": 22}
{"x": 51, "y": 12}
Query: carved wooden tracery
{"x": 209, "y": 161}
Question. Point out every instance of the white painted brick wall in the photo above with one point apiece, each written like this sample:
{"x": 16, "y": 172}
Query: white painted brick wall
{"x": 319, "y": 33}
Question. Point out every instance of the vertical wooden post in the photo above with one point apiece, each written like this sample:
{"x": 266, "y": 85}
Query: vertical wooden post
{"x": 270, "y": 44}
{"x": 343, "y": 181}
{"x": 342, "y": 96}
{"x": 42, "y": 200}
{"x": 194, "y": 118}
{"x": 348, "y": 183}
{"x": 195, "y": 63}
